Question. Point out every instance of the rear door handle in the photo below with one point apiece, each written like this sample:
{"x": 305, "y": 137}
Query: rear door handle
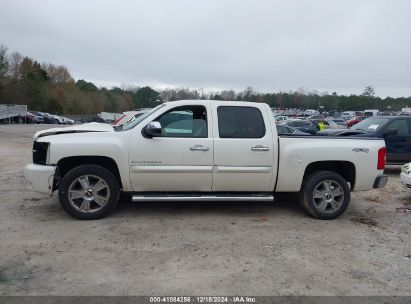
{"x": 199, "y": 148}
{"x": 260, "y": 148}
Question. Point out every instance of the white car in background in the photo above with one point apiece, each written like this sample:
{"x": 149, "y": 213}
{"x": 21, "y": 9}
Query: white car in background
{"x": 62, "y": 120}
{"x": 348, "y": 115}
{"x": 68, "y": 121}
{"x": 58, "y": 118}
{"x": 281, "y": 118}
{"x": 405, "y": 175}
{"x": 334, "y": 123}
{"x": 310, "y": 112}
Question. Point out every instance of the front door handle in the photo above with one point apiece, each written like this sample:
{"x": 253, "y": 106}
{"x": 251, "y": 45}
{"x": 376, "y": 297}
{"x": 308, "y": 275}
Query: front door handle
{"x": 199, "y": 148}
{"x": 260, "y": 148}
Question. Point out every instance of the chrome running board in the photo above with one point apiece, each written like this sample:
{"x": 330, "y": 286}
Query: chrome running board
{"x": 203, "y": 198}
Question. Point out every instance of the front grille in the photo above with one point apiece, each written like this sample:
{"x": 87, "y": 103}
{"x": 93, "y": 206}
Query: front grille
{"x": 40, "y": 152}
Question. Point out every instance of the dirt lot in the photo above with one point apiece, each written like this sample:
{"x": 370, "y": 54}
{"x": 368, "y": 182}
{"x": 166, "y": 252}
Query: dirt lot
{"x": 197, "y": 248}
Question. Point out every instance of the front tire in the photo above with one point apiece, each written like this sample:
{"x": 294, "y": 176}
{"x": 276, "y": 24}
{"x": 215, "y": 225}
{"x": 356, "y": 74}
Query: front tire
{"x": 325, "y": 195}
{"x": 89, "y": 192}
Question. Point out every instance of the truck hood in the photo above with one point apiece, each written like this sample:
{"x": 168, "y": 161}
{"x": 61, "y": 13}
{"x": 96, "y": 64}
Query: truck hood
{"x": 87, "y": 127}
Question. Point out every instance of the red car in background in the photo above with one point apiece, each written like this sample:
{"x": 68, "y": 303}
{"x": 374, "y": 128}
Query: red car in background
{"x": 355, "y": 120}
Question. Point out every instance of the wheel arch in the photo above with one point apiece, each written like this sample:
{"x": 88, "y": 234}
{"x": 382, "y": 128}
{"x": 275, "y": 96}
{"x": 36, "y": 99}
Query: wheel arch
{"x": 64, "y": 165}
{"x": 344, "y": 168}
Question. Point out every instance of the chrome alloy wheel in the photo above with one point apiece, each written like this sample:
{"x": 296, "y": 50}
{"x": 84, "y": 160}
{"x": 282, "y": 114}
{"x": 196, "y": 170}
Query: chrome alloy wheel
{"x": 88, "y": 193}
{"x": 328, "y": 196}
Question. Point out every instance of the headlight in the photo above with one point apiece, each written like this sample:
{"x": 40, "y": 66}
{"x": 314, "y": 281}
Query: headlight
{"x": 40, "y": 152}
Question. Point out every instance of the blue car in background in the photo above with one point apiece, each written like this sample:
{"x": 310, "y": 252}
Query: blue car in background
{"x": 396, "y": 131}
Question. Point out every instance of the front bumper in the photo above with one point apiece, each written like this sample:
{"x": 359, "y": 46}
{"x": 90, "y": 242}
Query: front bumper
{"x": 381, "y": 181}
{"x": 40, "y": 177}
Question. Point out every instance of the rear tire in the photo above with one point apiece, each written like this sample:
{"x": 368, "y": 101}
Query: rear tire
{"x": 89, "y": 192}
{"x": 325, "y": 195}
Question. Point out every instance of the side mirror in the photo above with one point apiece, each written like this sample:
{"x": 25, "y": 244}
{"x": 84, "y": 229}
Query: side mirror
{"x": 153, "y": 129}
{"x": 391, "y": 132}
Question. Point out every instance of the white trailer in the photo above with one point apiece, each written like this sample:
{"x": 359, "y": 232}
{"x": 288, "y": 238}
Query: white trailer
{"x": 109, "y": 117}
{"x": 9, "y": 111}
{"x": 371, "y": 112}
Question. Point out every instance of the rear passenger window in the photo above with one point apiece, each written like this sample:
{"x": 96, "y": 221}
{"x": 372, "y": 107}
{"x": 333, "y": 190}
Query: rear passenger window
{"x": 240, "y": 122}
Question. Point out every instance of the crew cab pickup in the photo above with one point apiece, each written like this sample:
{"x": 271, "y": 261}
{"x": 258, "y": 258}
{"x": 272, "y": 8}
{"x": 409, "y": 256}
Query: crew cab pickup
{"x": 201, "y": 150}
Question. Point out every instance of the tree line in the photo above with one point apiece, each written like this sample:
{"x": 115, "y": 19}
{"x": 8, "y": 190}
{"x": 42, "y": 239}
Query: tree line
{"x": 51, "y": 88}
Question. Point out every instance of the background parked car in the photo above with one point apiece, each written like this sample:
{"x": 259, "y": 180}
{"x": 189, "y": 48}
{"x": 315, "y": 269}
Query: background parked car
{"x": 31, "y": 118}
{"x": 28, "y": 118}
{"x": 37, "y": 118}
{"x": 405, "y": 176}
{"x": 316, "y": 117}
{"x": 47, "y": 118}
{"x": 348, "y": 115}
{"x": 396, "y": 131}
{"x": 306, "y": 126}
{"x": 281, "y": 118}
{"x": 353, "y": 121}
{"x": 285, "y": 130}
{"x": 59, "y": 119}
{"x": 68, "y": 121}
{"x": 334, "y": 123}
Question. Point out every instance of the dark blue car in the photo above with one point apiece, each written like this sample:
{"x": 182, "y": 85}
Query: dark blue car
{"x": 396, "y": 131}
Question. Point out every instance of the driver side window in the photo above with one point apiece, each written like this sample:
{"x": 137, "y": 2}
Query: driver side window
{"x": 185, "y": 121}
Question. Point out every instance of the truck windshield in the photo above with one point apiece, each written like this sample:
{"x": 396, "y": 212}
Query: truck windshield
{"x": 134, "y": 122}
{"x": 370, "y": 124}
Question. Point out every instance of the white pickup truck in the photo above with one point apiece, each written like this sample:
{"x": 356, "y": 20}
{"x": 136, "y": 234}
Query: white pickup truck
{"x": 201, "y": 150}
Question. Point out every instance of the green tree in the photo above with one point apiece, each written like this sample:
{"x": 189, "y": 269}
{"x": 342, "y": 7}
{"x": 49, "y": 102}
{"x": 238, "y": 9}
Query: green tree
{"x": 146, "y": 97}
{"x": 369, "y": 91}
{"x": 86, "y": 86}
{"x": 34, "y": 84}
{"x": 53, "y": 106}
{"x": 4, "y": 63}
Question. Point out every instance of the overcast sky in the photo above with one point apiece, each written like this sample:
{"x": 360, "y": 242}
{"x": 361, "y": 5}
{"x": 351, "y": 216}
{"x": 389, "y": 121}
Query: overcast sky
{"x": 272, "y": 45}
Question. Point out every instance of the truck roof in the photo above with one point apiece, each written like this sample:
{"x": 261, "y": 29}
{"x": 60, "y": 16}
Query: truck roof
{"x": 228, "y": 102}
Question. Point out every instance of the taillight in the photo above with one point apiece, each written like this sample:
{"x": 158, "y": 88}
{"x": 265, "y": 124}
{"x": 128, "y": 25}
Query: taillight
{"x": 118, "y": 120}
{"x": 381, "y": 158}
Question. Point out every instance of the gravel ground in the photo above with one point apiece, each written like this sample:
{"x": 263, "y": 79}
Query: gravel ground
{"x": 197, "y": 248}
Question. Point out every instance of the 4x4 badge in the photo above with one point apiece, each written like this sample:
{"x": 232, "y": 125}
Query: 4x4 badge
{"x": 366, "y": 150}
